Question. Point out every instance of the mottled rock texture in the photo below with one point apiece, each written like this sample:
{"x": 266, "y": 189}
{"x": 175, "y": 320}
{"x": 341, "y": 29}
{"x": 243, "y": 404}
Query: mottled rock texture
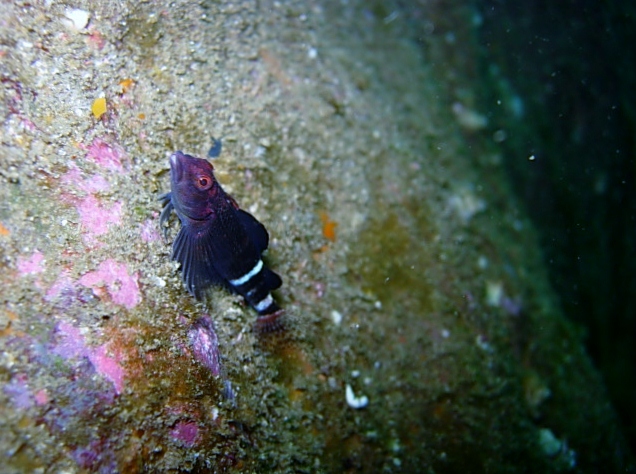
{"x": 410, "y": 274}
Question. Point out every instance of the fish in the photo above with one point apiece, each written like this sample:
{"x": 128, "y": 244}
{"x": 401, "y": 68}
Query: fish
{"x": 218, "y": 244}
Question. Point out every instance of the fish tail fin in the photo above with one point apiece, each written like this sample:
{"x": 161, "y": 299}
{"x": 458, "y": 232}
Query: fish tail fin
{"x": 272, "y": 280}
{"x": 271, "y": 322}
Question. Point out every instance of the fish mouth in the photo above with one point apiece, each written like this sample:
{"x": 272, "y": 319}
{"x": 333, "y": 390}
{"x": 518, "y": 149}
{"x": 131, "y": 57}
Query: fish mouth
{"x": 176, "y": 166}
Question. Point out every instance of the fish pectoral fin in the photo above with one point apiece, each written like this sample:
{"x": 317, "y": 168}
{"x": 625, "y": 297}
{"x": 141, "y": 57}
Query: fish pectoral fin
{"x": 168, "y": 207}
{"x": 194, "y": 254}
{"x": 257, "y": 232}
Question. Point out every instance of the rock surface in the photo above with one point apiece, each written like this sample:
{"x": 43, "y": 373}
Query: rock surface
{"x": 421, "y": 331}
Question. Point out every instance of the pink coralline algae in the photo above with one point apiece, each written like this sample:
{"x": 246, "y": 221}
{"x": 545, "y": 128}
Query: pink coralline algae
{"x": 122, "y": 287}
{"x": 31, "y": 265}
{"x": 108, "y": 366}
{"x": 106, "y": 155}
{"x": 18, "y": 392}
{"x": 148, "y": 231}
{"x": 70, "y": 344}
{"x": 97, "y": 218}
{"x": 186, "y": 432}
{"x": 91, "y": 184}
{"x": 41, "y": 397}
{"x": 205, "y": 344}
{"x": 66, "y": 292}
{"x": 63, "y": 286}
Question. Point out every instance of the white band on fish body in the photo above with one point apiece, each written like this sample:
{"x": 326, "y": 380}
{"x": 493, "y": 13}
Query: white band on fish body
{"x": 248, "y": 276}
{"x": 264, "y": 303}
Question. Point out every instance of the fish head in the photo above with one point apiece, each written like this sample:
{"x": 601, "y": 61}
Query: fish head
{"x": 193, "y": 186}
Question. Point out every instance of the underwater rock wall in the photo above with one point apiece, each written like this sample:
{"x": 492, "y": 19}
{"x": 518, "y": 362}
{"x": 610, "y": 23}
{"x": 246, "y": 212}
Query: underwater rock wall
{"x": 421, "y": 332}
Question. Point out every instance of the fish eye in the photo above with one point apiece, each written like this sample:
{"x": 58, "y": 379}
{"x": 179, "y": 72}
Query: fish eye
{"x": 203, "y": 182}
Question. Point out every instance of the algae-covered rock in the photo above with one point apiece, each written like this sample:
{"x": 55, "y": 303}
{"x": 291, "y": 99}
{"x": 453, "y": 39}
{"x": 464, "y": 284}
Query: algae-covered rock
{"x": 421, "y": 333}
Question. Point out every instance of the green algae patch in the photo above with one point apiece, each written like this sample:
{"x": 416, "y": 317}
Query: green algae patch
{"x": 389, "y": 262}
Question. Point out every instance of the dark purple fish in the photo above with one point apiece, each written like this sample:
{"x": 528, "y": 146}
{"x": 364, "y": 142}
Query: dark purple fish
{"x": 218, "y": 244}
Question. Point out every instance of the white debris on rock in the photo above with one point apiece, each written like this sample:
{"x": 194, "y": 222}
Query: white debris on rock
{"x": 465, "y": 203}
{"x": 494, "y": 293}
{"x": 353, "y": 401}
{"x": 76, "y": 19}
{"x": 483, "y": 344}
{"x": 556, "y": 449}
{"x": 468, "y": 118}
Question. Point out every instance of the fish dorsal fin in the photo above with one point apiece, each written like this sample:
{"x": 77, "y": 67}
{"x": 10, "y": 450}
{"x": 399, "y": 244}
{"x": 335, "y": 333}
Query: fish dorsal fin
{"x": 257, "y": 232}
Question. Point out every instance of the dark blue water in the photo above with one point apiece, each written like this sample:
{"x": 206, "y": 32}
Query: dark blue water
{"x": 574, "y": 65}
